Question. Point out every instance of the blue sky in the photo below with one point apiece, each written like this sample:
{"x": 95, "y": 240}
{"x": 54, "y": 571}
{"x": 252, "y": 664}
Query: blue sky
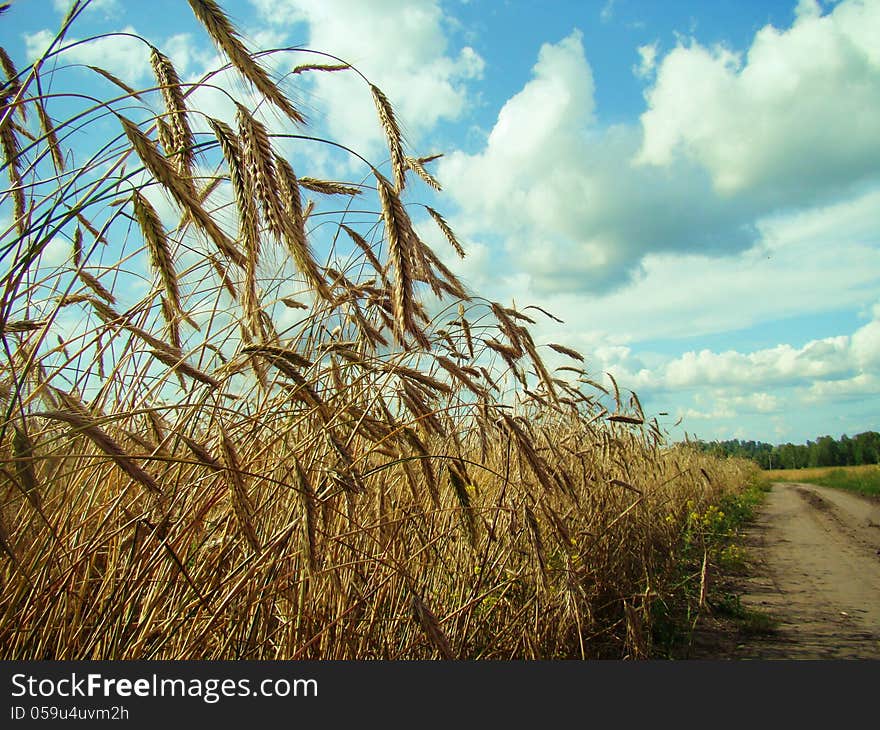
{"x": 693, "y": 187}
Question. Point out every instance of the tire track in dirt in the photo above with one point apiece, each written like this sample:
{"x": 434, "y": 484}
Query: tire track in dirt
{"x": 816, "y": 568}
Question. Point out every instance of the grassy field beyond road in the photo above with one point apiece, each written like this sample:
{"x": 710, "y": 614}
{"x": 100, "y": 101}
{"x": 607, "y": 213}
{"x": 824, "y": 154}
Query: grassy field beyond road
{"x": 862, "y": 479}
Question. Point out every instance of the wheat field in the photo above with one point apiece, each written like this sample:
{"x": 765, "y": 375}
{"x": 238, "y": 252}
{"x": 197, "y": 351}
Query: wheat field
{"x": 250, "y": 414}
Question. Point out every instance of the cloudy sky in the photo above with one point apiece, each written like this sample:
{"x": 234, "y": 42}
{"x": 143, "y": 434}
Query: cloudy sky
{"x": 694, "y": 188}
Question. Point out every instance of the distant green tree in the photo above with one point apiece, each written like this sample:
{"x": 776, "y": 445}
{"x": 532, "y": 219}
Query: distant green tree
{"x": 845, "y": 455}
{"x": 866, "y": 447}
{"x": 828, "y": 451}
{"x": 863, "y": 448}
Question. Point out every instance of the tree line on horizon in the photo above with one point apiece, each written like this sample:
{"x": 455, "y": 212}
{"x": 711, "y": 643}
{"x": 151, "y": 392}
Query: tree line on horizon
{"x": 863, "y": 448}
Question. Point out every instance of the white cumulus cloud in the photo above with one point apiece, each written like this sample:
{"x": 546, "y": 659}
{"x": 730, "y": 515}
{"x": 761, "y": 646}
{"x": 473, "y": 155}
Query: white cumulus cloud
{"x": 572, "y": 211}
{"x": 734, "y": 142}
{"x": 121, "y": 53}
{"x": 400, "y": 45}
{"x": 750, "y": 376}
{"x": 647, "y": 60}
{"x": 109, "y": 7}
{"x": 795, "y": 117}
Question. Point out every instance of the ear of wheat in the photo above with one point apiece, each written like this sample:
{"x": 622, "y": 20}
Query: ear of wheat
{"x": 237, "y": 423}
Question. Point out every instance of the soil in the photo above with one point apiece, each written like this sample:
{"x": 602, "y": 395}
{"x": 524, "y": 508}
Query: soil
{"x": 814, "y": 570}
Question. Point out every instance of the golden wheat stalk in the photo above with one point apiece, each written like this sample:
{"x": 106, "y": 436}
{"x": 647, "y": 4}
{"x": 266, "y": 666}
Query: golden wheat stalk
{"x": 447, "y": 231}
{"x": 295, "y": 231}
{"x": 546, "y": 313}
{"x": 431, "y": 626}
{"x": 180, "y": 190}
{"x": 348, "y": 476}
{"x": 23, "y": 454}
{"x": 77, "y": 246}
{"x": 393, "y": 135}
{"x": 309, "y": 209}
{"x": 113, "y": 318}
{"x": 13, "y": 85}
{"x": 460, "y": 487}
{"x": 48, "y": 130}
{"x": 415, "y": 403}
{"x": 512, "y": 426}
{"x": 18, "y": 128}
{"x": 166, "y": 137}
{"x": 69, "y": 299}
{"x": 24, "y": 325}
{"x": 367, "y": 249}
{"x": 574, "y": 354}
{"x": 616, "y": 390}
{"x": 508, "y": 352}
{"x": 259, "y": 165}
{"x": 157, "y": 425}
{"x": 85, "y": 425}
{"x": 200, "y": 452}
{"x": 182, "y": 138}
{"x": 240, "y": 501}
{"x": 541, "y": 369}
{"x": 227, "y": 38}
{"x": 180, "y": 365}
{"x": 415, "y": 164}
{"x": 94, "y": 232}
{"x": 224, "y": 277}
{"x": 275, "y": 185}
{"x": 460, "y": 375}
{"x": 537, "y": 543}
{"x": 11, "y": 153}
{"x": 372, "y": 334}
{"x": 508, "y": 327}
{"x": 400, "y": 238}
{"x": 320, "y": 67}
{"x": 310, "y": 511}
{"x": 450, "y": 282}
{"x": 117, "y": 81}
{"x": 418, "y": 376}
{"x": 248, "y": 220}
{"x": 419, "y": 255}
{"x": 144, "y": 443}
{"x": 158, "y": 246}
{"x": 466, "y": 329}
{"x": 328, "y": 187}
{"x": 519, "y": 315}
{"x": 96, "y": 286}
{"x": 170, "y": 351}
{"x": 288, "y": 362}
{"x": 292, "y": 303}
{"x": 172, "y": 322}
{"x": 412, "y": 480}
{"x": 273, "y": 352}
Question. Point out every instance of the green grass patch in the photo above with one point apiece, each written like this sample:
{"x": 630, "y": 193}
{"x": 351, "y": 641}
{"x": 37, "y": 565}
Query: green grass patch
{"x": 749, "y": 621}
{"x": 859, "y": 479}
{"x": 713, "y": 534}
{"x": 865, "y": 482}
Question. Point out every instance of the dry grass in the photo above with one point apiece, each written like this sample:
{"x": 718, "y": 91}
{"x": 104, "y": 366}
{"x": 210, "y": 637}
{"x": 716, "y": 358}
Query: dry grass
{"x": 818, "y": 472}
{"x": 260, "y": 455}
{"x": 862, "y": 479}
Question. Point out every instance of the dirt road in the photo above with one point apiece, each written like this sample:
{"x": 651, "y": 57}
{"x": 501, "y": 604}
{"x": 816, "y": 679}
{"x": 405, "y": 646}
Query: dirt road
{"x": 816, "y": 568}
